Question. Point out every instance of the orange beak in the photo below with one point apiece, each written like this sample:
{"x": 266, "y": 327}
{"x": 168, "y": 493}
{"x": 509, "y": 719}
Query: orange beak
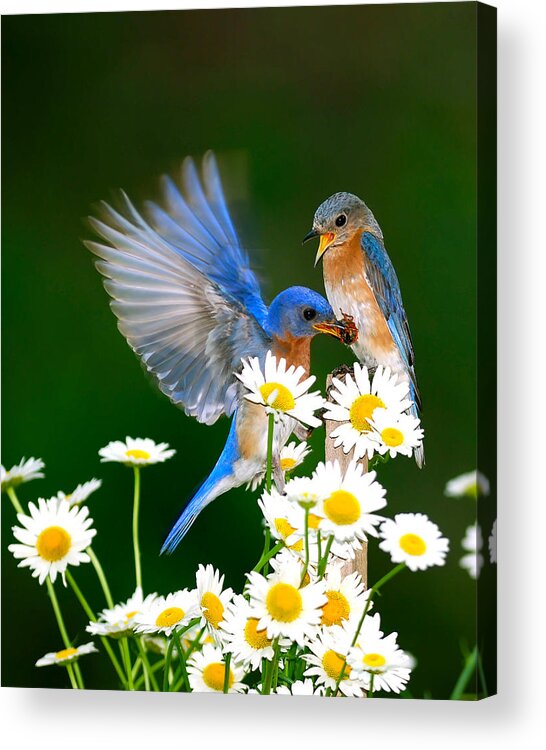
{"x": 325, "y": 242}
{"x": 344, "y": 330}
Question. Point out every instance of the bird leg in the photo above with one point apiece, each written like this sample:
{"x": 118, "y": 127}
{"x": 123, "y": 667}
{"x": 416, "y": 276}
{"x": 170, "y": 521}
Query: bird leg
{"x": 301, "y": 432}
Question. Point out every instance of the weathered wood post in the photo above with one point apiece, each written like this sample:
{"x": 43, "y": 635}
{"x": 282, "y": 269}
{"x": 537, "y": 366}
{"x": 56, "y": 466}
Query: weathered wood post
{"x": 360, "y": 561}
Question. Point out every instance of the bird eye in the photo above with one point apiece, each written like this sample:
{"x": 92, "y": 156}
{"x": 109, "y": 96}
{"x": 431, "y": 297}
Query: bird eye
{"x": 341, "y": 219}
{"x": 309, "y": 313}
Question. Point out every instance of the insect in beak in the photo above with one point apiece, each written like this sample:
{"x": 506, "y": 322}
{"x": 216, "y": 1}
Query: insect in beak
{"x": 345, "y": 330}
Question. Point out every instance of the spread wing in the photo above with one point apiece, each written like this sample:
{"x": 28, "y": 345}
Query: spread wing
{"x": 187, "y": 315}
{"x": 383, "y": 281}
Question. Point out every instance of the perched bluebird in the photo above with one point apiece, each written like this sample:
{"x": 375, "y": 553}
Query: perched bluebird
{"x": 360, "y": 280}
{"x": 190, "y": 307}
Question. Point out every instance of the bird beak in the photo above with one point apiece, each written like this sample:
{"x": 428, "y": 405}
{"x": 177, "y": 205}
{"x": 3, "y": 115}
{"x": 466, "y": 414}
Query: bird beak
{"x": 325, "y": 242}
{"x": 310, "y": 236}
{"x": 344, "y": 330}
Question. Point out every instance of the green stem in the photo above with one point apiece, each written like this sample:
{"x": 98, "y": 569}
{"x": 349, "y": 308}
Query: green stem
{"x": 148, "y": 673}
{"x": 127, "y": 661}
{"x": 182, "y": 658}
{"x": 266, "y": 556}
{"x": 136, "y": 507}
{"x": 468, "y": 670}
{"x": 324, "y": 560}
{"x": 269, "y": 468}
{"x": 306, "y": 564}
{"x": 227, "y": 671}
{"x": 100, "y": 575}
{"x": 70, "y": 671}
{"x": 153, "y": 669}
{"x": 62, "y": 629}
{"x": 195, "y": 642}
{"x": 269, "y": 676}
{"x": 14, "y": 501}
{"x": 168, "y": 657}
{"x": 482, "y": 676}
{"x": 374, "y": 589}
{"x": 89, "y": 612}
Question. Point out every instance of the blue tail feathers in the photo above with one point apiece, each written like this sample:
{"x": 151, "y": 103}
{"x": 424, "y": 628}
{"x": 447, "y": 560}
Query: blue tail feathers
{"x": 216, "y": 483}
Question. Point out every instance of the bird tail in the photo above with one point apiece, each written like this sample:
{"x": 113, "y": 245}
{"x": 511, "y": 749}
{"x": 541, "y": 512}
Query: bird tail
{"x": 216, "y": 484}
{"x": 419, "y": 453}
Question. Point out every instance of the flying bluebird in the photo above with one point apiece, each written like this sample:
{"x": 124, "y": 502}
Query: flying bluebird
{"x": 190, "y": 307}
{"x": 360, "y": 279}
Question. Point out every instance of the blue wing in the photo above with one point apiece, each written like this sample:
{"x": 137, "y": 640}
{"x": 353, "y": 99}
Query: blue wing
{"x": 383, "y": 281}
{"x": 189, "y": 329}
{"x": 200, "y": 228}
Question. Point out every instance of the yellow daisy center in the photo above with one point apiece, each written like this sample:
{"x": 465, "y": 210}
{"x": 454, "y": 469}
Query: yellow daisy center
{"x": 392, "y": 437}
{"x": 287, "y": 464}
{"x": 362, "y": 409}
{"x": 169, "y": 617}
{"x": 283, "y": 401}
{"x": 313, "y": 521}
{"x": 129, "y": 615}
{"x": 284, "y": 602}
{"x": 137, "y": 453}
{"x": 413, "y": 544}
{"x": 284, "y": 529}
{"x": 66, "y": 653}
{"x": 335, "y": 610}
{"x": 332, "y": 663}
{"x": 213, "y": 609}
{"x": 342, "y": 508}
{"x": 374, "y": 660}
{"x": 214, "y": 675}
{"x": 255, "y": 638}
{"x": 53, "y": 543}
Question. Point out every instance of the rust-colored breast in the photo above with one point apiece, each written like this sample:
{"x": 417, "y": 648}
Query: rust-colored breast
{"x": 296, "y": 351}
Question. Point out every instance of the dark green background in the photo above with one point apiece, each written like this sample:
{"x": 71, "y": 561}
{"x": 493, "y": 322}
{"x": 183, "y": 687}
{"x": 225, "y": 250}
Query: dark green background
{"x": 377, "y": 100}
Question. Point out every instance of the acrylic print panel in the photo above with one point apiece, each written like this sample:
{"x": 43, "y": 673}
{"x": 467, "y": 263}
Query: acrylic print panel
{"x": 338, "y": 539}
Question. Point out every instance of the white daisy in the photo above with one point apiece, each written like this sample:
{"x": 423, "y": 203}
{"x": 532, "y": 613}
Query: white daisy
{"x": 305, "y": 491}
{"x": 53, "y": 536}
{"x": 471, "y": 484}
{"x": 24, "y": 471}
{"x": 248, "y": 644}
{"x": 165, "y": 614}
{"x": 66, "y": 655}
{"x": 136, "y": 452}
{"x": 327, "y": 656}
{"x": 293, "y": 455}
{"x": 346, "y": 597}
{"x": 395, "y": 433}
{"x": 413, "y": 539}
{"x": 348, "y": 510}
{"x": 356, "y": 402}
{"x": 207, "y": 672}
{"x": 493, "y": 543}
{"x": 283, "y": 606}
{"x": 300, "y": 687}
{"x": 379, "y": 656}
{"x": 120, "y": 619}
{"x": 472, "y": 543}
{"x": 288, "y": 556}
{"x": 212, "y": 599}
{"x": 81, "y": 493}
{"x": 282, "y": 391}
{"x": 282, "y": 518}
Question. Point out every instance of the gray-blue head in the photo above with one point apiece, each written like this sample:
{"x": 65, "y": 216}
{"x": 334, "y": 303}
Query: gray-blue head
{"x": 299, "y": 312}
{"x": 338, "y": 218}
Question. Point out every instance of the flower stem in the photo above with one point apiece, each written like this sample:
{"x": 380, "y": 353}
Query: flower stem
{"x": 89, "y": 612}
{"x": 269, "y": 467}
{"x": 467, "y": 672}
{"x": 306, "y": 564}
{"x": 127, "y": 660}
{"x": 186, "y": 681}
{"x": 148, "y": 674}
{"x": 100, "y": 575}
{"x": 267, "y": 555}
{"x": 14, "y": 501}
{"x": 167, "y": 667}
{"x": 269, "y": 676}
{"x": 71, "y": 675}
{"x": 62, "y": 628}
{"x": 374, "y": 589}
{"x": 136, "y": 507}
{"x": 324, "y": 560}
{"x": 227, "y": 671}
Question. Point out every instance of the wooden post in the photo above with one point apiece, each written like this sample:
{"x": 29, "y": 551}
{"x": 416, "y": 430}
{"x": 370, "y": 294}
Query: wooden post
{"x": 360, "y": 561}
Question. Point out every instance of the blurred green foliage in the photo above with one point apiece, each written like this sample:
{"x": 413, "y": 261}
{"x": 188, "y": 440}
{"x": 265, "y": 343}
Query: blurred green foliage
{"x": 377, "y": 100}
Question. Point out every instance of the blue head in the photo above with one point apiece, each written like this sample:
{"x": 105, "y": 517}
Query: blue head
{"x": 299, "y": 312}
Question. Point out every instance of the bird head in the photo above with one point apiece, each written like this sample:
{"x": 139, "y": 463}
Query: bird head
{"x": 300, "y": 312}
{"x": 337, "y": 219}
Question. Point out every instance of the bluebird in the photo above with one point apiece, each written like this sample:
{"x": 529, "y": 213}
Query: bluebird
{"x": 190, "y": 307}
{"x": 360, "y": 280}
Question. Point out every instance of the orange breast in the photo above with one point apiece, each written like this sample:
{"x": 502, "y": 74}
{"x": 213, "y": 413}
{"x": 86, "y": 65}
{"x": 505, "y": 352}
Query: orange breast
{"x": 296, "y": 351}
